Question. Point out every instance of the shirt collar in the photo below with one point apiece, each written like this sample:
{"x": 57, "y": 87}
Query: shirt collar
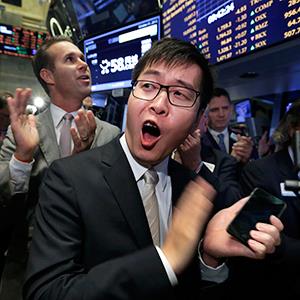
{"x": 57, "y": 114}
{"x": 216, "y": 133}
{"x": 139, "y": 170}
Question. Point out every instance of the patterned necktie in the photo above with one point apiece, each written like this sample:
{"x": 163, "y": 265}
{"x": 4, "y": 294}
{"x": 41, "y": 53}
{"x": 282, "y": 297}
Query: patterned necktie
{"x": 151, "y": 205}
{"x": 65, "y": 136}
{"x": 221, "y": 142}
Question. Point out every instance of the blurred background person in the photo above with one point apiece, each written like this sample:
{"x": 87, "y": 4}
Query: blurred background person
{"x": 219, "y": 135}
{"x": 33, "y": 142}
{"x": 270, "y": 174}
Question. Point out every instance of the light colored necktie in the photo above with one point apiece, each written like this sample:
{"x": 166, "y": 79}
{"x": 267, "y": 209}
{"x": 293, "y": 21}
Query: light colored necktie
{"x": 221, "y": 142}
{"x": 151, "y": 204}
{"x": 65, "y": 136}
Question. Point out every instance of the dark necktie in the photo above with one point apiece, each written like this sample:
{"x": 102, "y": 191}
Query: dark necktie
{"x": 151, "y": 205}
{"x": 65, "y": 136}
{"x": 221, "y": 142}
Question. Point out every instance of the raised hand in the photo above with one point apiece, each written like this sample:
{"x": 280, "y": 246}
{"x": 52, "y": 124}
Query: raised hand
{"x": 242, "y": 149}
{"x": 218, "y": 243}
{"x": 83, "y": 136}
{"x": 189, "y": 219}
{"x": 189, "y": 150}
{"x": 23, "y": 125}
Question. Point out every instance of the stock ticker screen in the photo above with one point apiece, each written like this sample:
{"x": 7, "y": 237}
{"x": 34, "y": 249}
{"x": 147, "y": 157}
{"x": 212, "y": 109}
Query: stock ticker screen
{"x": 227, "y": 29}
{"x": 17, "y": 41}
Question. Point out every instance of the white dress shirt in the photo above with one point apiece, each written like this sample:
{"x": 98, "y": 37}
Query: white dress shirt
{"x": 216, "y": 138}
{"x": 164, "y": 197}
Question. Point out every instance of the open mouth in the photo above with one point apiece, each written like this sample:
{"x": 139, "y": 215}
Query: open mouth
{"x": 84, "y": 77}
{"x": 150, "y": 134}
{"x": 151, "y": 129}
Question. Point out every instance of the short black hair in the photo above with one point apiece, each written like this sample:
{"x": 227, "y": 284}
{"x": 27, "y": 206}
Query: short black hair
{"x": 218, "y": 92}
{"x": 42, "y": 59}
{"x": 174, "y": 52}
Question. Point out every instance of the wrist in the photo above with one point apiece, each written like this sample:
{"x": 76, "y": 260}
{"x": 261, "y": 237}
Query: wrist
{"x": 209, "y": 259}
{"x": 23, "y": 157}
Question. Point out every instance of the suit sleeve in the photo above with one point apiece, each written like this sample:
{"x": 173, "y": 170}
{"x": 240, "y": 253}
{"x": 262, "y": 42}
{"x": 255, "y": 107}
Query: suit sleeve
{"x": 6, "y": 152}
{"x": 251, "y": 177}
{"x": 56, "y": 269}
{"x": 228, "y": 177}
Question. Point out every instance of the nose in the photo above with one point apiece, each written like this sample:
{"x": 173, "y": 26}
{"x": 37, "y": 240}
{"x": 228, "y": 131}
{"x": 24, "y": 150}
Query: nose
{"x": 160, "y": 105}
{"x": 82, "y": 64}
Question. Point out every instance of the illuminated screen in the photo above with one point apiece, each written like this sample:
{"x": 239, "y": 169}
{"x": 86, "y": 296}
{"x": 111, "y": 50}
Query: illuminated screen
{"x": 112, "y": 56}
{"x": 102, "y": 15}
{"x": 225, "y": 29}
{"x": 242, "y": 110}
{"x": 18, "y": 41}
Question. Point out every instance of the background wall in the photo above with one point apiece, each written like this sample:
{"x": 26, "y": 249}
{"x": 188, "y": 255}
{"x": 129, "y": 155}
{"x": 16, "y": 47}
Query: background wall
{"x": 17, "y": 72}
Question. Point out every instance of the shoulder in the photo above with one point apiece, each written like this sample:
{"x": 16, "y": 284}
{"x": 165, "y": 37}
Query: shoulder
{"x": 105, "y": 132}
{"x": 105, "y": 126}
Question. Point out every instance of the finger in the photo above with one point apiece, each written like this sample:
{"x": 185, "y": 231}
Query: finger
{"x": 76, "y": 138}
{"x": 22, "y": 96}
{"x": 236, "y": 207}
{"x": 17, "y": 105}
{"x": 258, "y": 249}
{"x": 92, "y": 121}
{"x": 276, "y": 222}
{"x": 264, "y": 238}
{"x": 82, "y": 124}
{"x": 271, "y": 230}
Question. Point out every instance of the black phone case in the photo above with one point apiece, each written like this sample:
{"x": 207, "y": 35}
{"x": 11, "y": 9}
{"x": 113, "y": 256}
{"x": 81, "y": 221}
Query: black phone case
{"x": 258, "y": 208}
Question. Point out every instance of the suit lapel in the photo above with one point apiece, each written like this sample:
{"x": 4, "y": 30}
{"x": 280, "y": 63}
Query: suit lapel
{"x": 210, "y": 141}
{"x": 120, "y": 178}
{"x": 48, "y": 143}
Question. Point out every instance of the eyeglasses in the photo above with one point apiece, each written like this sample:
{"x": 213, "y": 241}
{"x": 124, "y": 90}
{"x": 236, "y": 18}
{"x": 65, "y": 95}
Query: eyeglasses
{"x": 177, "y": 95}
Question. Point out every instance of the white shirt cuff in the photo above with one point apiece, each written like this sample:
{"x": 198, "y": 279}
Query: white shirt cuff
{"x": 171, "y": 274}
{"x": 217, "y": 275}
{"x": 20, "y": 175}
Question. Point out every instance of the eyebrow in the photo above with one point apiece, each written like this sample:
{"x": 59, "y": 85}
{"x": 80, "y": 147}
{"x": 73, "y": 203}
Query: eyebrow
{"x": 179, "y": 81}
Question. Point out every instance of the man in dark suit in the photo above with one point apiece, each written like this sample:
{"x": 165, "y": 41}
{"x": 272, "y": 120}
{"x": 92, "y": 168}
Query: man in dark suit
{"x": 92, "y": 239}
{"x": 219, "y": 135}
{"x": 219, "y": 168}
{"x": 270, "y": 174}
{"x": 33, "y": 142}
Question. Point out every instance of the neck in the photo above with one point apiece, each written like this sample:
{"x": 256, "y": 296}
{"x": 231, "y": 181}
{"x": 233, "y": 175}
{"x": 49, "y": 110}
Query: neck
{"x": 67, "y": 104}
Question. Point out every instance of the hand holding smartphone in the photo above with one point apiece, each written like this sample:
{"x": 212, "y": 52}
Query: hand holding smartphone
{"x": 260, "y": 206}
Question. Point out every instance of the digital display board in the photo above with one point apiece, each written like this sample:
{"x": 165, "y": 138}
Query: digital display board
{"x": 18, "y": 41}
{"x": 225, "y": 29}
{"x": 96, "y": 16}
{"x": 111, "y": 56}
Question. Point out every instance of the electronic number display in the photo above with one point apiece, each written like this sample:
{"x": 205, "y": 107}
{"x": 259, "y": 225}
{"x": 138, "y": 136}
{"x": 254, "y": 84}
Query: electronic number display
{"x": 18, "y": 41}
{"x": 227, "y": 29}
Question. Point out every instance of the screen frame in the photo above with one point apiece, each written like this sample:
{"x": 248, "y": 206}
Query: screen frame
{"x": 123, "y": 83}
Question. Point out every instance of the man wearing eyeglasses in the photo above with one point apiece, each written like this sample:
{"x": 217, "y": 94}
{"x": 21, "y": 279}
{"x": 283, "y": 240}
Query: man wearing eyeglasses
{"x": 94, "y": 238}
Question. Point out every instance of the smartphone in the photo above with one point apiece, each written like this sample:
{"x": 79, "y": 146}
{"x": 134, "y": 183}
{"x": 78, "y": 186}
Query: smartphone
{"x": 258, "y": 208}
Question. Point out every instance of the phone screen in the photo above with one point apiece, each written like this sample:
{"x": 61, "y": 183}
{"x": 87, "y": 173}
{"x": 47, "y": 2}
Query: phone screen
{"x": 258, "y": 208}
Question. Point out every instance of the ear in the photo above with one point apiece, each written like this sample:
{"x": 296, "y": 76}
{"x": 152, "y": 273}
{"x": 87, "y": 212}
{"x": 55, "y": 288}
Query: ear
{"x": 47, "y": 76}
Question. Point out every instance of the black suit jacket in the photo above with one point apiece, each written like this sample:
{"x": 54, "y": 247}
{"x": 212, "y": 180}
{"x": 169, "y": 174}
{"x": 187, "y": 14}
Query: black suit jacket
{"x": 277, "y": 275}
{"x": 211, "y": 142}
{"x": 92, "y": 239}
{"x": 208, "y": 140}
{"x": 226, "y": 172}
